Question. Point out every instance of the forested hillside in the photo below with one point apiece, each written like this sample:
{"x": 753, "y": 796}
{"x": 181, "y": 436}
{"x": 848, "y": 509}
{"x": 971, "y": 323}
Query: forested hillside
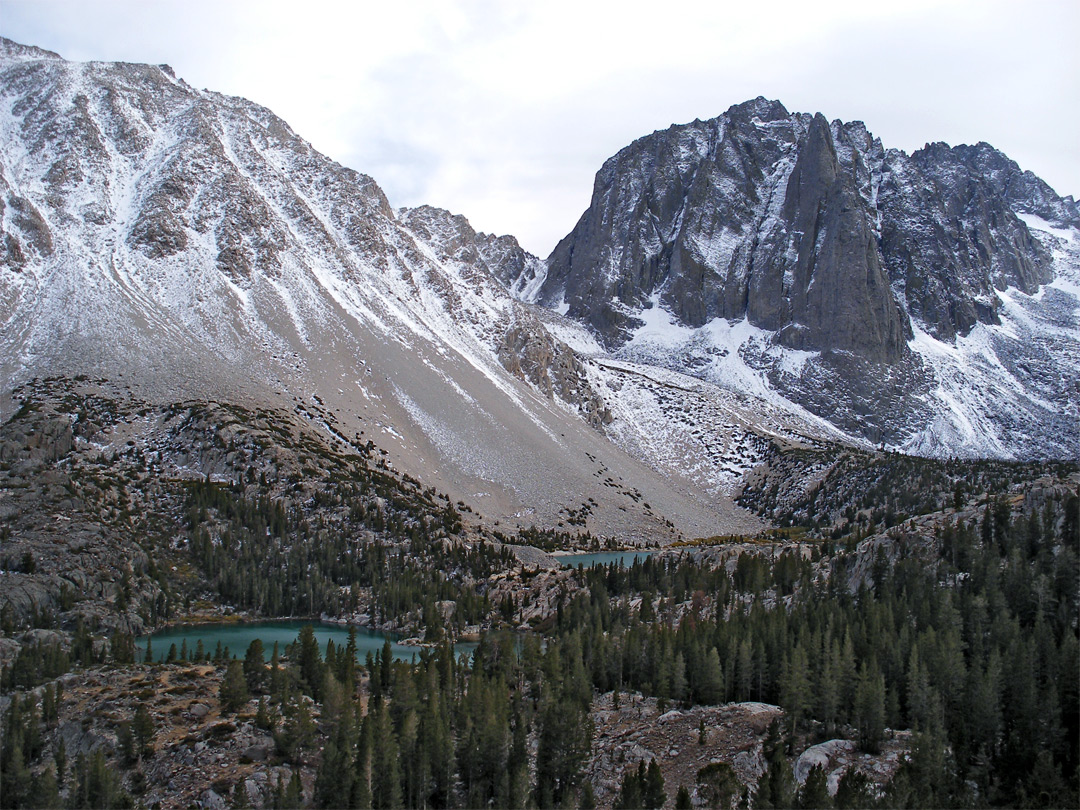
{"x": 941, "y": 640}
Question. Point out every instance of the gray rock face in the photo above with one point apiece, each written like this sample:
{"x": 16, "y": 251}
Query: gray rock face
{"x": 804, "y": 228}
{"x": 835, "y": 246}
{"x": 836, "y": 296}
{"x": 502, "y": 256}
{"x": 950, "y": 233}
{"x": 193, "y": 245}
{"x": 749, "y": 215}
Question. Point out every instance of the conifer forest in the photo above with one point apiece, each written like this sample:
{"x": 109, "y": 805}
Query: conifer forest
{"x": 933, "y": 631}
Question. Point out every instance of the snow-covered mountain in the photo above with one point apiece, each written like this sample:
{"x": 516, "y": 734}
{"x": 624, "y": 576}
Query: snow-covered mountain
{"x": 927, "y": 301}
{"x": 190, "y": 245}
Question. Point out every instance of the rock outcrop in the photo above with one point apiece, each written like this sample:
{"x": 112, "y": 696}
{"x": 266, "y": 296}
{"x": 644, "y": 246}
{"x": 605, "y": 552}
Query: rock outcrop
{"x": 868, "y": 264}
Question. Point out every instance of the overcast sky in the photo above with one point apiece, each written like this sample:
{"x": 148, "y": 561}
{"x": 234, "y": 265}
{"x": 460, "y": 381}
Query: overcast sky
{"x": 504, "y": 110}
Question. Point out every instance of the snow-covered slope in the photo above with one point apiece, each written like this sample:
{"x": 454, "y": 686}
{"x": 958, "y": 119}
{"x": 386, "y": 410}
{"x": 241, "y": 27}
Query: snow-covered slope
{"x": 191, "y": 245}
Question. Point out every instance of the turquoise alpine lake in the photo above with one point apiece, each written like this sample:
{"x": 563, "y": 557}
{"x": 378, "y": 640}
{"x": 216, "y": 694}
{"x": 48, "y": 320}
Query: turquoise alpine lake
{"x": 238, "y": 636}
{"x": 623, "y": 559}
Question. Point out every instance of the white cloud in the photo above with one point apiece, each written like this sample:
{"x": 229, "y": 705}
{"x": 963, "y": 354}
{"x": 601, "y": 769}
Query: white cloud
{"x": 504, "y": 111}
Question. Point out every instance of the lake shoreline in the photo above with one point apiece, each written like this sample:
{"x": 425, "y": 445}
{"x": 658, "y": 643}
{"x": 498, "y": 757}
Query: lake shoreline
{"x": 237, "y": 635}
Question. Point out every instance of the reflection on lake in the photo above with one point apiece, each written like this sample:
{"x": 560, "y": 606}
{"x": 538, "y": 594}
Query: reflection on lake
{"x": 622, "y": 558}
{"x": 238, "y": 636}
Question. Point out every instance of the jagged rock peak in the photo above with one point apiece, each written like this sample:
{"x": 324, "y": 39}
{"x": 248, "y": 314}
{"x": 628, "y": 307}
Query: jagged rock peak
{"x": 872, "y": 284}
{"x": 503, "y": 256}
{"x": 807, "y": 229}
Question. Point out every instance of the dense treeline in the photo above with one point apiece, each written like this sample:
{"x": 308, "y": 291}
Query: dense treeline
{"x": 435, "y": 734}
{"x": 262, "y": 556}
{"x": 977, "y": 652}
{"x": 969, "y": 638}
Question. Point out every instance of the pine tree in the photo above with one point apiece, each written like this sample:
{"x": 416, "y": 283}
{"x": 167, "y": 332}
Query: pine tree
{"x": 125, "y": 742}
{"x": 298, "y": 730}
{"x": 97, "y": 785}
{"x": 310, "y": 660}
{"x": 711, "y": 686}
{"x": 264, "y": 719}
{"x": 718, "y": 785}
{"x": 854, "y": 791}
{"x": 870, "y": 707}
{"x": 630, "y": 796}
{"x": 277, "y": 676}
{"x": 333, "y": 780}
{"x": 827, "y": 690}
{"x": 255, "y": 666}
{"x": 679, "y": 683}
{"x": 652, "y": 789}
{"x": 588, "y": 797}
{"x": 60, "y": 760}
{"x": 776, "y": 788}
{"x": 44, "y": 791}
{"x": 385, "y": 773}
{"x": 796, "y": 686}
{"x": 234, "y": 691}
{"x": 744, "y": 669}
{"x": 814, "y": 794}
{"x": 360, "y": 797}
{"x": 142, "y": 730}
{"x": 565, "y": 740}
{"x": 293, "y": 798}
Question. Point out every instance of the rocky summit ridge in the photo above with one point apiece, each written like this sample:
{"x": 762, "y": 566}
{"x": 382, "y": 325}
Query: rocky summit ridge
{"x": 924, "y": 301}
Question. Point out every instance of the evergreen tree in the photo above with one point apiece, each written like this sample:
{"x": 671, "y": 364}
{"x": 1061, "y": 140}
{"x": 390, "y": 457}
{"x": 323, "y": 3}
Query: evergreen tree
{"x": 870, "y": 707}
{"x": 385, "y": 773}
{"x": 44, "y": 791}
{"x": 60, "y": 760}
{"x": 796, "y": 686}
{"x": 142, "y": 730}
{"x": 297, "y": 731}
{"x": 293, "y": 797}
{"x": 652, "y": 789}
{"x": 711, "y": 685}
{"x": 630, "y": 796}
{"x": 718, "y": 785}
{"x": 310, "y": 660}
{"x": 264, "y": 718}
{"x": 854, "y": 791}
{"x": 234, "y": 691}
{"x": 814, "y": 794}
{"x": 255, "y": 666}
{"x": 776, "y": 788}
{"x": 96, "y": 785}
{"x": 565, "y": 739}
{"x": 335, "y": 774}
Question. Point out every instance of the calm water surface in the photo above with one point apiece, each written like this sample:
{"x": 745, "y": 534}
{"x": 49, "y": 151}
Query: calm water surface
{"x": 623, "y": 558}
{"x": 238, "y": 636}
